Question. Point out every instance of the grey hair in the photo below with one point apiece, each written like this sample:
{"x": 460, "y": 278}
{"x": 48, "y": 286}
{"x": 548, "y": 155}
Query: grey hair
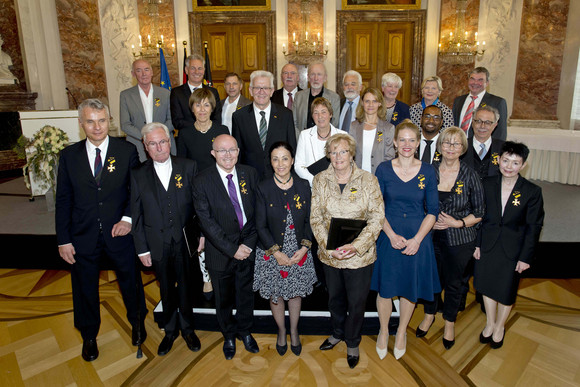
{"x": 352, "y": 73}
{"x": 391, "y": 78}
{"x": 488, "y": 108}
{"x": 194, "y": 57}
{"x": 318, "y": 63}
{"x": 262, "y": 73}
{"x": 145, "y": 130}
{"x": 95, "y": 104}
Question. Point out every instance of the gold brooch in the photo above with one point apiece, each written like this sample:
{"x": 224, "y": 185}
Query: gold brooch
{"x": 353, "y": 192}
{"x": 516, "y": 195}
{"x": 395, "y": 115}
{"x": 459, "y": 185}
{"x": 421, "y": 181}
{"x": 380, "y": 135}
{"x": 178, "y": 182}
{"x": 243, "y": 188}
{"x": 495, "y": 158}
{"x": 157, "y": 102}
{"x": 437, "y": 156}
{"x": 297, "y": 200}
{"x": 111, "y": 161}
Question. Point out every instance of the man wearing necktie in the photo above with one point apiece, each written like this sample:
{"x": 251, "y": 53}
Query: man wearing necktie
{"x": 431, "y": 123}
{"x": 258, "y": 125}
{"x": 224, "y": 199}
{"x": 465, "y": 105}
{"x": 286, "y": 95}
{"x": 352, "y": 86}
{"x": 162, "y": 208}
{"x": 92, "y": 218}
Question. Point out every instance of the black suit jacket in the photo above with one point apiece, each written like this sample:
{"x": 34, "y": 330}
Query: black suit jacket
{"x": 278, "y": 96}
{"x": 218, "y": 219}
{"x": 518, "y": 230}
{"x": 500, "y": 131}
{"x": 490, "y": 163}
{"x": 146, "y": 210}
{"x": 181, "y": 115}
{"x": 82, "y": 205}
{"x": 245, "y": 130}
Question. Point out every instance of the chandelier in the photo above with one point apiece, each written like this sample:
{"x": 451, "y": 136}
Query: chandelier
{"x": 305, "y": 48}
{"x": 460, "y": 48}
{"x": 149, "y": 46}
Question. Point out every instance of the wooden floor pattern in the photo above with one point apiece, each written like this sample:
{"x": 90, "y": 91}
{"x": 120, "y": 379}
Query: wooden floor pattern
{"x": 39, "y": 347}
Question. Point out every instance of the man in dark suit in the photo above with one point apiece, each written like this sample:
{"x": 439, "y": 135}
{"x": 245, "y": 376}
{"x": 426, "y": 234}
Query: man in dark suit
{"x": 483, "y": 150}
{"x": 181, "y": 114}
{"x": 287, "y": 94}
{"x": 235, "y": 100}
{"x": 143, "y": 103}
{"x": 161, "y": 208}
{"x": 464, "y": 107}
{"x": 224, "y": 199}
{"x": 93, "y": 216}
{"x": 257, "y": 126}
{"x": 431, "y": 123}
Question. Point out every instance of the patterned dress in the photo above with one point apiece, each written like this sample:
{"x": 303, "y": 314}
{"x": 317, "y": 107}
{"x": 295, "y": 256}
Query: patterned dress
{"x": 273, "y": 280}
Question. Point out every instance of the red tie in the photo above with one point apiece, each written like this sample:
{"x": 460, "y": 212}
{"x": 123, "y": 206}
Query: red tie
{"x": 468, "y": 113}
{"x": 289, "y": 101}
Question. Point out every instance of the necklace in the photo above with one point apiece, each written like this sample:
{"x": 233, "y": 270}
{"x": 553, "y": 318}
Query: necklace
{"x": 371, "y": 123}
{"x": 200, "y": 129}
{"x": 321, "y": 136}
{"x": 392, "y": 106}
{"x": 280, "y": 181}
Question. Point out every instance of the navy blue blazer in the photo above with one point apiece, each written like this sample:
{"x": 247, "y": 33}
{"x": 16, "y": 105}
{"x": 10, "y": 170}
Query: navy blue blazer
{"x": 82, "y": 206}
{"x": 500, "y": 131}
{"x": 146, "y": 210}
{"x": 518, "y": 229}
{"x": 400, "y": 113}
{"x": 218, "y": 219}
{"x": 245, "y": 131}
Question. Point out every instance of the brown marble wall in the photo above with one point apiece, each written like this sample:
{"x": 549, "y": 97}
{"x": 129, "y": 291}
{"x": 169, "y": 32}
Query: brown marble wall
{"x": 166, "y": 25}
{"x": 82, "y": 52}
{"x": 9, "y": 32}
{"x": 454, "y": 77}
{"x": 541, "y": 49}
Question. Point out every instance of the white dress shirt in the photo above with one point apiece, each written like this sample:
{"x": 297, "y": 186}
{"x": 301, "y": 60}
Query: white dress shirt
{"x": 477, "y": 145}
{"x": 224, "y": 177}
{"x": 285, "y": 95}
{"x": 228, "y": 110}
{"x": 367, "y": 148}
{"x": 259, "y": 116}
{"x": 147, "y": 101}
{"x": 355, "y": 103}
{"x": 466, "y": 105}
{"x": 433, "y": 146}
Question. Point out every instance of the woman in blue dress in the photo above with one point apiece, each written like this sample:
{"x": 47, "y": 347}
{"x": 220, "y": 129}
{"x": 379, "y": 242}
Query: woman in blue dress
{"x": 405, "y": 266}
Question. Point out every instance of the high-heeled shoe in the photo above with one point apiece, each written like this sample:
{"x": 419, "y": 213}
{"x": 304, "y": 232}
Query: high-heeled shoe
{"x": 485, "y": 339}
{"x": 496, "y": 344}
{"x": 399, "y": 352}
{"x": 448, "y": 343}
{"x": 382, "y": 352}
{"x": 420, "y": 332}
{"x": 281, "y": 348}
{"x": 296, "y": 349}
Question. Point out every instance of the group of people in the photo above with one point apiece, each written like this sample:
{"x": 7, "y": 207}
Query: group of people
{"x": 252, "y": 187}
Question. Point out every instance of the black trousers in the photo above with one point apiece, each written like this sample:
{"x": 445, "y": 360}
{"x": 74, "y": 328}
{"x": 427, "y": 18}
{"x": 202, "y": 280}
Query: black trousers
{"x": 233, "y": 287}
{"x": 347, "y": 295}
{"x": 174, "y": 275}
{"x": 453, "y": 265}
{"x": 85, "y": 287}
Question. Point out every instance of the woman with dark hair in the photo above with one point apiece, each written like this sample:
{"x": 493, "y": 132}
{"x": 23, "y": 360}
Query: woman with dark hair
{"x": 196, "y": 144}
{"x": 507, "y": 239}
{"x": 284, "y": 269}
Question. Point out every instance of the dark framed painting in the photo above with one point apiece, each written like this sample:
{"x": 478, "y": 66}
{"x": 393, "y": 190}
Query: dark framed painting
{"x": 380, "y": 4}
{"x": 231, "y": 5}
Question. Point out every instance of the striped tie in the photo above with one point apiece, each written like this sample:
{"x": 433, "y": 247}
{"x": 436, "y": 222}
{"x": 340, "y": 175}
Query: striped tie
{"x": 468, "y": 113}
{"x": 263, "y": 129}
{"x": 482, "y": 151}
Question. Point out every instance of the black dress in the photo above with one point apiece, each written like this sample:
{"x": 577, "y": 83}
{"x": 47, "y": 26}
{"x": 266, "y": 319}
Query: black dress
{"x": 195, "y": 145}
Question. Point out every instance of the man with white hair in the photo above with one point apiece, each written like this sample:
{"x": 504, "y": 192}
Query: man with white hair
{"x": 352, "y": 86}
{"x": 257, "y": 126}
{"x": 301, "y": 111}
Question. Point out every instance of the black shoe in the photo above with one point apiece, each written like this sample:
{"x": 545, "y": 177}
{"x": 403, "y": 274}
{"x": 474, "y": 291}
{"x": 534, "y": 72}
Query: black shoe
{"x": 90, "y": 350}
{"x": 496, "y": 344}
{"x": 192, "y": 341}
{"x": 296, "y": 349}
{"x": 281, "y": 349}
{"x": 483, "y": 339}
{"x": 138, "y": 334}
{"x": 421, "y": 333}
{"x": 250, "y": 343}
{"x": 328, "y": 345}
{"x": 448, "y": 343}
{"x": 229, "y": 348}
{"x": 165, "y": 345}
{"x": 352, "y": 360}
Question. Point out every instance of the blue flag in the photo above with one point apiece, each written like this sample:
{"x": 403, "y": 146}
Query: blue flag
{"x": 164, "y": 81}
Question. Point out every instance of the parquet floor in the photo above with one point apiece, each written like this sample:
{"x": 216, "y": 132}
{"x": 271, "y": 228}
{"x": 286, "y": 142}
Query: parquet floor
{"x": 39, "y": 347}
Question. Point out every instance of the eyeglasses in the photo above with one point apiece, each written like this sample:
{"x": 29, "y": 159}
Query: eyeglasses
{"x": 256, "y": 89}
{"x": 431, "y": 117}
{"x": 153, "y": 144}
{"x": 486, "y": 123}
{"x": 455, "y": 145}
{"x": 341, "y": 153}
{"x": 223, "y": 152}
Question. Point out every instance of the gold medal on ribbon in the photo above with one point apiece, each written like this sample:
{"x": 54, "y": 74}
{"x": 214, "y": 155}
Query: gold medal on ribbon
{"x": 421, "y": 181}
{"x": 178, "y": 182}
{"x": 516, "y": 195}
{"x": 111, "y": 164}
{"x": 243, "y": 188}
{"x": 297, "y": 200}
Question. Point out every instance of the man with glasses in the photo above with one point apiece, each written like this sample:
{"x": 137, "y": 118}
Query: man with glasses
{"x": 161, "y": 207}
{"x": 483, "y": 150}
{"x": 431, "y": 123}
{"x": 464, "y": 106}
{"x": 224, "y": 199}
{"x": 287, "y": 94}
{"x": 257, "y": 126}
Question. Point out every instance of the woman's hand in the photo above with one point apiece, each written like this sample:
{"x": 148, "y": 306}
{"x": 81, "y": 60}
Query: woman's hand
{"x": 398, "y": 242}
{"x": 445, "y": 221}
{"x": 282, "y": 259}
{"x": 521, "y": 266}
{"x": 344, "y": 252}
{"x": 298, "y": 255}
{"x": 477, "y": 253}
{"x": 412, "y": 247}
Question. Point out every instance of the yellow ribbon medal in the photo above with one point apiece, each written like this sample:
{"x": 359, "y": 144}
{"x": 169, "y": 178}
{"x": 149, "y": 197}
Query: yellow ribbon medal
{"x": 243, "y": 188}
{"x": 178, "y": 182}
{"x": 297, "y": 200}
{"x": 111, "y": 166}
{"x": 459, "y": 189}
{"x": 516, "y": 196}
{"x": 421, "y": 181}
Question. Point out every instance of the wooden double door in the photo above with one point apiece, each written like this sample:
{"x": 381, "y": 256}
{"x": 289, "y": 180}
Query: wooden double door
{"x": 239, "y": 48}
